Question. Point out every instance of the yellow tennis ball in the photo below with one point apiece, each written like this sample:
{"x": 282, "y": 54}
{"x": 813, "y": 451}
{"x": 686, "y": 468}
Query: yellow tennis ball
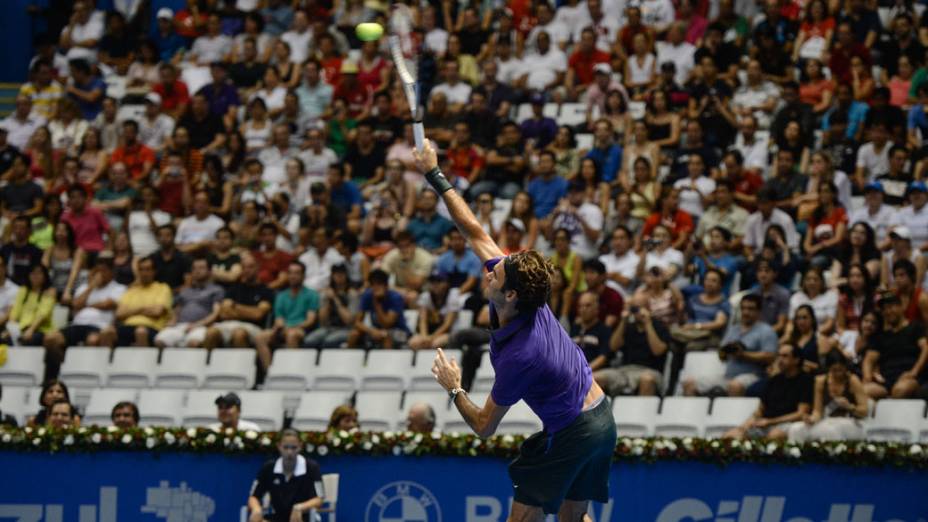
{"x": 368, "y": 31}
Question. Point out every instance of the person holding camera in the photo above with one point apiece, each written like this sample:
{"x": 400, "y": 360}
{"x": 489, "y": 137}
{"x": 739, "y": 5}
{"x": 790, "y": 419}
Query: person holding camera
{"x": 660, "y": 255}
{"x": 747, "y": 348}
{"x": 643, "y": 342}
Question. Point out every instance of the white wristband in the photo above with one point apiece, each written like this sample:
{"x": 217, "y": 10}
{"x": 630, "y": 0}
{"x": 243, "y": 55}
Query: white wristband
{"x": 454, "y": 393}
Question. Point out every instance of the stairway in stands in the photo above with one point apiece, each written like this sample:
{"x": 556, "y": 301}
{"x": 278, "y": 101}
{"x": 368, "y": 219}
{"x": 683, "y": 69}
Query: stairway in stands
{"x": 8, "y": 92}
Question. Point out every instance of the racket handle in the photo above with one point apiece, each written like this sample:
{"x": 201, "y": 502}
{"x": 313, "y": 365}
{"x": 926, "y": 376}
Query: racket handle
{"x": 418, "y": 133}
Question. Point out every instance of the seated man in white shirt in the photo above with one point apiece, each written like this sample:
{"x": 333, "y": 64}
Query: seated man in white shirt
{"x": 875, "y": 213}
{"x": 677, "y": 50}
{"x": 621, "y": 263}
{"x": 229, "y": 413}
{"x": 196, "y": 232}
{"x": 545, "y": 69}
{"x": 754, "y": 149}
{"x": 213, "y": 46}
{"x": 456, "y": 91}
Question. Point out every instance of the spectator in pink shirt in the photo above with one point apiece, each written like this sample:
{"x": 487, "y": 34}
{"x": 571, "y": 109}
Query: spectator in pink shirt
{"x": 88, "y": 222}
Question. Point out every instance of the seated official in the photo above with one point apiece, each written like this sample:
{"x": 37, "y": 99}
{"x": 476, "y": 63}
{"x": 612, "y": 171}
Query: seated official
{"x": 293, "y": 482}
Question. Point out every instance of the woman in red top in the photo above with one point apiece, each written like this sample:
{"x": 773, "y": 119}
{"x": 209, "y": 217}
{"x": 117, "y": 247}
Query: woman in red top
{"x": 678, "y": 222}
{"x": 373, "y": 72}
{"x": 815, "y": 32}
{"x": 816, "y": 90}
{"x": 827, "y": 227}
{"x": 856, "y": 299}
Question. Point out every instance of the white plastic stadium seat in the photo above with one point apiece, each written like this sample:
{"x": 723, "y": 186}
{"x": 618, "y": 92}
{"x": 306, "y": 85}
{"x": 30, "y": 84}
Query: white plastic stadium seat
{"x": 132, "y": 368}
{"x": 15, "y": 402}
{"x": 519, "y": 420}
{"x": 264, "y": 408}
{"x": 422, "y": 378}
{"x": 161, "y": 407}
{"x": 181, "y": 368}
{"x": 201, "y": 410}
{"x": 387, "y": 370}
{"x": 486, "y": 375}
{"x": 316, "y": 408}
{"x": 572, "y": 114}
{"x": 339, "y": 370}
{"x": 454, "y": 423}
{"x": 584, "y": 141}
{"x": 701, "y": 364}
{"x": 85, "y": 367}
{"x": 897, "y": 420}
{"x": 291, "y": 369}
{"x": 412, "y": 319}
{"x": 682, "y": 417}
{"x": 101, "y": 404}
{"x": 378, "y": 410}
{"x": 635, "y": 416}
{"x": 230, "y": 369}
{"x": 438, "y": 400}
{"x": 729, "y": 412}
{"x": 25, "y": 366}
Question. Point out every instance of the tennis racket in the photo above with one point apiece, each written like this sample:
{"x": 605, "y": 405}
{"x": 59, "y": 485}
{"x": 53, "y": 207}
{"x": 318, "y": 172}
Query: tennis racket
{"x": 403, "y": 50}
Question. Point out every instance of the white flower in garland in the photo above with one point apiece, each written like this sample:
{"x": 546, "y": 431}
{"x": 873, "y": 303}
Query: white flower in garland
{"x": 915, "y": 449}
{"x": 310, "y": 448}
{"x": 323, "y": 450}
{"x": 238, "y": 442}
{"x": 36, "y": 441}
{"x": 126, "y": 439}
{"x": 251, "y": 434}
{"x": 150, "y": 442}
{"x": 169, "y": 438}
{"x": 508, "y": 439}
{"x": 367, "y": 446}
{"x": 748, "y": 446}
{"x": 149, "y": 432}
{"x": 7, "y": 438}
{"x": 771, "y": 448}
{"x": 211, "y": 438}
{"x": 266, "y": 441}
{"x": 112, "y": 429}
{"x": 96, "y": 438}
{"x": 795, "y": 452}
{"x": 69, "y": 440}
{"x": 397, "y": 451}
{"x": 191, "y": 432}
{"x": 41, "y": 432}
{"x": 336, "y": 442}
{"x": 375, "y": 438}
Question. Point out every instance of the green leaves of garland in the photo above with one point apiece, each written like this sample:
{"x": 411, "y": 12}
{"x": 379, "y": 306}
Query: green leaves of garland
{"x": 201, "y": 440}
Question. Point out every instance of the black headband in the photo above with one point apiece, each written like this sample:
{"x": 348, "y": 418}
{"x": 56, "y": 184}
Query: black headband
{"x": 512, "y": 274}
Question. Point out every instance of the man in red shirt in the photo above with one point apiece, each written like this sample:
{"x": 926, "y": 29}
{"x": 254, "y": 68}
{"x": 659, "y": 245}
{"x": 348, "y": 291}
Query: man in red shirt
{"x": 89, "y": 223}
{"x": 610, "y": 301}
{"x": 272, "y": 262}
{"x": 745, "y": 182}
{"x": 466, "y": 159}
{"x": 581, "y": 62}
{"x": 173, "y": 92}
{"x": 137, "y": 158}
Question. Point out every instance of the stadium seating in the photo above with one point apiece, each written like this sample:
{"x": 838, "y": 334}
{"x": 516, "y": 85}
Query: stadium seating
{"x": 316, "y": 407}
{"x": 230, "y": 369}
{"x": 181, "y": 368}
{"x": 486, "y": 375}
{"x": 387, "y": 370}
{"x": 291, "y": 369}
{"x": 729, "y": 412}
{"x": 519, "y": 420}
{"x": 899, "y": 420}
{"x": 700, "y": 364}
{"x": 200, "y": 409}
{"x": 455, "y": 424}
{"x": 101, "y": 404}
{"x": 15, "y": 402}
{"x": 264, "y": 408}
{"x": 85, "y": 367}
{"x": 132, "y": 367}
{"x": 339, "y": 370}
{"x": 635, "y": 416}
{"x": 24, "y": 366}
{"x": 682, "y": 417}
{"x": 159, "y": 407}
{"x": 379, "y": 410}
{"x": 422, "y": 378}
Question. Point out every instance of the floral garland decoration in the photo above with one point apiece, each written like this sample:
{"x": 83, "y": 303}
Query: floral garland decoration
{"x": 628, "y": 449}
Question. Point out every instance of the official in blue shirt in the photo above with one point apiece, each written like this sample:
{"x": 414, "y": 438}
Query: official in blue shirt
{"x": 547, "y": 188}
{"x": 605, "y": 152}
{"x": 459, "y": 263}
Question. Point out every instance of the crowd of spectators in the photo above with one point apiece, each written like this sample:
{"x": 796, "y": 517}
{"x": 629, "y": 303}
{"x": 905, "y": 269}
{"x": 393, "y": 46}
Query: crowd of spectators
{"x": 744, "y": 177}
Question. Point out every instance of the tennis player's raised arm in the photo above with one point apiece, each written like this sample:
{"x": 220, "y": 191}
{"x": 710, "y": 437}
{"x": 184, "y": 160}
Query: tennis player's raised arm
{"x": 461, "y": 214}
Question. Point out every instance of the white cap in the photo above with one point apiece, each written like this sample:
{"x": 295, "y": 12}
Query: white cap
{"x": 602, "y": 68}
{"x": 824, "y": 230}
{"x": 153, "y": 97}
{"x": 902, "y": 232}
{"x": 165, "y": 12}
{"x": 517, "y": 224}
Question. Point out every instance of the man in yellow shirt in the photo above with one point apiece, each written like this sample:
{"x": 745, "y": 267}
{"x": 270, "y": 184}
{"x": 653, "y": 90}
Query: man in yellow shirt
{"x": 143, "y": 310}
{"x": 43, "y": 90}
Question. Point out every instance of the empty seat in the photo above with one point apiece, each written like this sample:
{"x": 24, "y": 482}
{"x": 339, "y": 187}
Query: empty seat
{"x": 682, "y": 417}
{"x": 898, "y": 420}
{"x": 464, "y": 319}
{"x": 316, "y": 408}
{"x": 387, "y": 370}
{"x": 25, "y": 366}
{"x": 422, "y": 378}
{"x": 230, "y": 369}
{"x": 15, "y": 402}
{"x": 132, "y": 368}
{"x": 101, "y": 404}
{"x": 85, "y": 367}
{"x": 339, "y": 370}
{"x": 635, "y": 416}
{"x": 438, "y": 400}
{"x": 291, "y": 369}
{"x": 729, "y": 412}
{"x": 454, "y": 423}
{"x": 161, "y": 407}
{"x": 264, "y": 408}
{"x": 181, "y": 368}
{"x": 701, "y": 364}
{"x": 200, "y": 410}
{"x": 378, "y": 410}
{"x": 572, "y": 114}
{"x": 519, "y": 420}
{"x": 486, "y": 375}
{"x": 584, "y": 141}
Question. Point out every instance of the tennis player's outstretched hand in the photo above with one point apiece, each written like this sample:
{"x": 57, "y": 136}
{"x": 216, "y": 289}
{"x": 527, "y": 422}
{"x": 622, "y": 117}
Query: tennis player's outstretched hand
{"x": 446, "y": 372}
{"x": 428, "y": 158}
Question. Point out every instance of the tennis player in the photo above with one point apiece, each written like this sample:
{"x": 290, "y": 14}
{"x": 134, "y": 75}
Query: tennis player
{"x": 562, "y": 468}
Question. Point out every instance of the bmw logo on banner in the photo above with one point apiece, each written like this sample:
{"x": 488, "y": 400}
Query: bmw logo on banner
{"x": 403, "y": 501}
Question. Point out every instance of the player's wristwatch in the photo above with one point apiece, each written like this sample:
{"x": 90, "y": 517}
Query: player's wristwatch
{"x": 453, "y": 393}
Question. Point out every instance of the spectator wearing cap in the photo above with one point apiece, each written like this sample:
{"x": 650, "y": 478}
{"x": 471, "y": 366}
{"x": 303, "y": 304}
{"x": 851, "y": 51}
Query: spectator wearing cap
{"x": 912, "y": 296}
{"x": 296, "y": 310}
{"x": 915, "y": 215}
{"x": 125, "y": 415}
{"x": 142, "y": 311}
{"x": 538, "y": 130}
{"x": 895, "y": 181}
{"x": 243, "y": 312}
{"x": 409, "y": 265}
{"x": 583, "y": 64}
{"x": 196, "y": 308}
{"x": 22, "y": 123}
{"x": 513, "y": 233}
{"x": 438, "y": 307}
{"x": 875, "y": 213}
{"x": 774, "y": 299}
{"x": 43, "y": 90}
{"x": 174, "y": 94}
{"x": 292, "y": 481}
{"x": 459, "y": 263}
{"x": 590, "y": 333}
{"x": 767, "y": 215}
{"x": 165, "y": 38}
{"x": 93, "y": 307}
{"x": 787, "y": 398}
{"x": 135, "y": 155}
{"x": 384, "y": 307}
{"x": 229, "y": 415}
{"x": 894, "y": 366}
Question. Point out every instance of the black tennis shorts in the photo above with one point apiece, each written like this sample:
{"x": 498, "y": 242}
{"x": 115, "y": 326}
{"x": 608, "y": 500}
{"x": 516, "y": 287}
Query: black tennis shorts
{"x": 572, "y": 464}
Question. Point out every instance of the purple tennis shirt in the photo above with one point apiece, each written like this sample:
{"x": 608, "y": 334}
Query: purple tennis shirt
{"x": 536, "y": 361}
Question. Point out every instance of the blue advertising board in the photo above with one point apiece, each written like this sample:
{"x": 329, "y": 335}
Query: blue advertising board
{"x": 134, "y": 486}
